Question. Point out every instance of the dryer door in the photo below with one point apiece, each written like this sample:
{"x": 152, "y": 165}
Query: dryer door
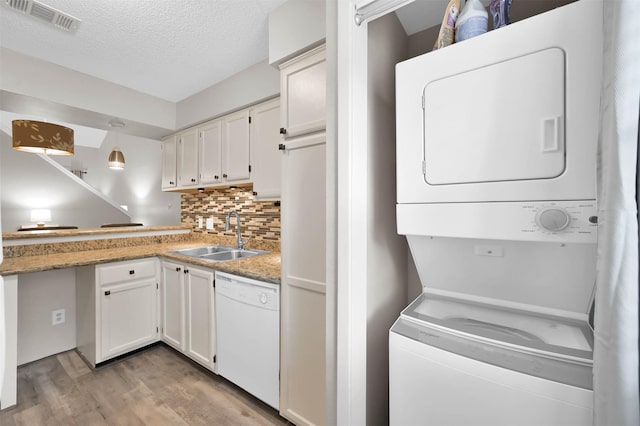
{"x": 510, "y": 115}
{"x": 501, "y": 122}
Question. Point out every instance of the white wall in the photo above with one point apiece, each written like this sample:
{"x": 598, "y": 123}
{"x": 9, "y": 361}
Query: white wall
{"x": 38, "y": 294}
{"x": 137, "y": 186}
{"x": 295, "y": 27}
{"x": 28, "y": 76}
{"x": 387, "y": 251}
{"x": 250, "y": 86}
{"x": 30, "y": 182}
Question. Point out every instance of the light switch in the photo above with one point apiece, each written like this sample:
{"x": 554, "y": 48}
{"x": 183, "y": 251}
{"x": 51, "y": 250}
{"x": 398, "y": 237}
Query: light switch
{"x": 209, "y": 223}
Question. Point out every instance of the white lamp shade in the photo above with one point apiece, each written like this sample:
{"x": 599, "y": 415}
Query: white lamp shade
{"x": 40, "y": 215}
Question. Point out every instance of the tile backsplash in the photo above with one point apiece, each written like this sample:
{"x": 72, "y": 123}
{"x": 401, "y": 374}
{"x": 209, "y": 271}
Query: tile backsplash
{"x": 259, "y": 219}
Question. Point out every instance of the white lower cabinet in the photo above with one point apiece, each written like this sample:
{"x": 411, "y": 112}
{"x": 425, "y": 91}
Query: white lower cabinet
{"x": 188, "y": 316}
{"x": 117, "y": 308}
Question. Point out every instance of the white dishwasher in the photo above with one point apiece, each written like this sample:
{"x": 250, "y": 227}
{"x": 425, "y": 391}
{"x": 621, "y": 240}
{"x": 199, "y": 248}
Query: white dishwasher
{"x": 248, "y": 335}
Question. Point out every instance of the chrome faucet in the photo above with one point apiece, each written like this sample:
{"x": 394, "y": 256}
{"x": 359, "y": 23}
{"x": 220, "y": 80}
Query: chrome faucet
{"x": 227, "y": 227}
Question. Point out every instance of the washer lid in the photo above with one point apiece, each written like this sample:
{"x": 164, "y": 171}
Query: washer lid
{"x": 501, "y": 326}
{"x": 553, "y": 278}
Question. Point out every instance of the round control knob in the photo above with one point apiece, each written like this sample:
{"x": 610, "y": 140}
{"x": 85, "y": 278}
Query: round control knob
{"x": 553, "y": 219}
{"x": 263, "y": 298}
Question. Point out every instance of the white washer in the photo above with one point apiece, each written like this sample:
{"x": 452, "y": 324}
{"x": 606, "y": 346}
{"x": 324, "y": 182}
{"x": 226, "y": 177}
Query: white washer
{"x": 455, "y": 362}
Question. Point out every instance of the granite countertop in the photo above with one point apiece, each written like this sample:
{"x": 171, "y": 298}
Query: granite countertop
{"x": 264, "y": 267}
{"x": 22, "y": 235}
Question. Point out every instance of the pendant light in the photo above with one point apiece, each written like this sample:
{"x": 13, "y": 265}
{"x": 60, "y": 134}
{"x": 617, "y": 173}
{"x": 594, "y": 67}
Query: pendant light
{"x": 42, "y": 138}
{"x": 116, "y": 159}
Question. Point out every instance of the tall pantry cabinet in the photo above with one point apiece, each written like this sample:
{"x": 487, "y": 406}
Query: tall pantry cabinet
{"x": 303, "y": 286}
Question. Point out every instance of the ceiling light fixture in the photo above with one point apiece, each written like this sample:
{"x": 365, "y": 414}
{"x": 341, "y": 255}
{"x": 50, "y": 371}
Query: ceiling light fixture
{"x": 116, "y": 159}
{"x": 115, "y": 122}
{"x": 42, "y": 138}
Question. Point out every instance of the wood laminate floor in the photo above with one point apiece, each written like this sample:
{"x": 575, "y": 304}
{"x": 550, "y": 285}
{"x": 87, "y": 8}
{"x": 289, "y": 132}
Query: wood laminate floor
{"x": 154, "y": 387}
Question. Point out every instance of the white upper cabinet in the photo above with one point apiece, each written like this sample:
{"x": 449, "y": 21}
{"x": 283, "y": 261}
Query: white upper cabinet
{"x": 188, "y": 158}
{"x": 169, "y": 163}
{"x": 210, "y": 152}
{"x": 303, "y": 93}
{"x": 235, "y": 147}
{"x": 221, "y": 152}
{"x": 265, "y": 157}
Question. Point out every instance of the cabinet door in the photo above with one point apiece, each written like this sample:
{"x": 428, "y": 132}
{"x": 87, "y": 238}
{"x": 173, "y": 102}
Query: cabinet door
{"x": 210, "y": 152}
{"x": 266, "y": 160}
{"x": 302, "y": 383}
{"x": 188, "y": 158}
{"x": 169, "y": 163}
{"x": 200, "y": 315}
{"x": 303, "y": 93}
{"x": 235, "y": 148}
{"x": 172, "y": 304}
{"x": 128, "y": 316}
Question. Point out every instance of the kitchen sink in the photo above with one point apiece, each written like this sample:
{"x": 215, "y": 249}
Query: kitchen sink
{"x": 218, "y": 253}
{"x": 231, "y": 255}
{"x": 202, "y": 251}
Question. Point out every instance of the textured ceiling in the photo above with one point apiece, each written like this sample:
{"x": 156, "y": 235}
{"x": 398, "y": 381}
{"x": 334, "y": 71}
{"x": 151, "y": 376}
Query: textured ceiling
{"x": 170, "y": 49}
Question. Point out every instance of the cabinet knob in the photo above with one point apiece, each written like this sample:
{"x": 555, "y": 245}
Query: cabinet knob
{"x": 186, "y": 271}
{"x": 193, "y": 180}
{"x": 216, "y": 177}
{"x": 171, "y": 182}
{"x": 283, "y": 131}
{"x": 224, "y": 175}
{"x": 178, "y": 269}
{"x": 131, "y": 272}
{"x": 281, "y": 147}
{"x": 108, "y": 292}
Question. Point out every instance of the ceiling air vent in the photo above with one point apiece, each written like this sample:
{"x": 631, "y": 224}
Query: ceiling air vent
{"x": 45, "y": 13}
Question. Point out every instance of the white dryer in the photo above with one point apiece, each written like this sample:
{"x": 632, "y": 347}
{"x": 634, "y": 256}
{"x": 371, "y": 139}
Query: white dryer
{"x": 496, "y": 154}
{"x": 511, "y": 115}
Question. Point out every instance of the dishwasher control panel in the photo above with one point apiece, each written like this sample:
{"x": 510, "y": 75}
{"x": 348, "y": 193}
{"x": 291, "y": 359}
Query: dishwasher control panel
{"x": 248, "y": 291}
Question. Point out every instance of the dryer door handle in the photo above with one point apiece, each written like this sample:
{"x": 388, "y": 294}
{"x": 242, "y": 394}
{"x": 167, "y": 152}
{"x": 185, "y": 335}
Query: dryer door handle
{"x": 552, "y": 134}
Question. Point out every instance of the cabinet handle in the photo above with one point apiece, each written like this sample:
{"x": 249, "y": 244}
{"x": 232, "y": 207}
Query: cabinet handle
{"x": 108, "y": 292}
{"x": 224, "y": 175}
{"x": 216, "y": 177}
{"x": 281, "y": 147}
{"x": 283, "y": 131}
{"x": 178, "y": 269}
{"x": 186, "y": 271}
{"x": 171, "y": 182}
{"x": 131, "y": 272}
{"x": 193, "y": 180}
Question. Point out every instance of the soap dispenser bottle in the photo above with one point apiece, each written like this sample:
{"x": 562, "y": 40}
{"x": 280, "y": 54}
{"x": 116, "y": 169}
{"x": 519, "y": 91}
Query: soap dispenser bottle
{"x": 473, "y": 21}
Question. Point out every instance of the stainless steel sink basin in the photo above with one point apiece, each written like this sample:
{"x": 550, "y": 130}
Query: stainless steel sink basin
{"x": 218, "y": 253}
{"x": 201, "y": 251}
{"x": 231, "y": 255}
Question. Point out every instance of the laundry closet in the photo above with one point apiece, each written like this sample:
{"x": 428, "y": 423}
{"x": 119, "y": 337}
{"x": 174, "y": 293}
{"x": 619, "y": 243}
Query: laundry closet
{"x": 496, "y": 162}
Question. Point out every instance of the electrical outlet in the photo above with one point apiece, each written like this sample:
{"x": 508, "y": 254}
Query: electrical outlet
{"x": 200, "y": 222}
{"x": 58, "y": 316}
{"x": 209, "y": 223}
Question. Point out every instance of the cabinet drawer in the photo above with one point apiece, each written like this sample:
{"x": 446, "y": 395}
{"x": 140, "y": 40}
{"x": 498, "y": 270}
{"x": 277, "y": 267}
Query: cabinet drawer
{"x": 125, "y": 271}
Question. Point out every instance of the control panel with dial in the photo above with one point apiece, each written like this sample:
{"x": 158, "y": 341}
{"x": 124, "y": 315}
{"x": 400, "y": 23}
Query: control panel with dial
{"x": 563, "y": 217}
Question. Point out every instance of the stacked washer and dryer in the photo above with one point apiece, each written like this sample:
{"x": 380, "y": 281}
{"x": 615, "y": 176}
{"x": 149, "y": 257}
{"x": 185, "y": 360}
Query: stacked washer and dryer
{"x": 496, "y": 165}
